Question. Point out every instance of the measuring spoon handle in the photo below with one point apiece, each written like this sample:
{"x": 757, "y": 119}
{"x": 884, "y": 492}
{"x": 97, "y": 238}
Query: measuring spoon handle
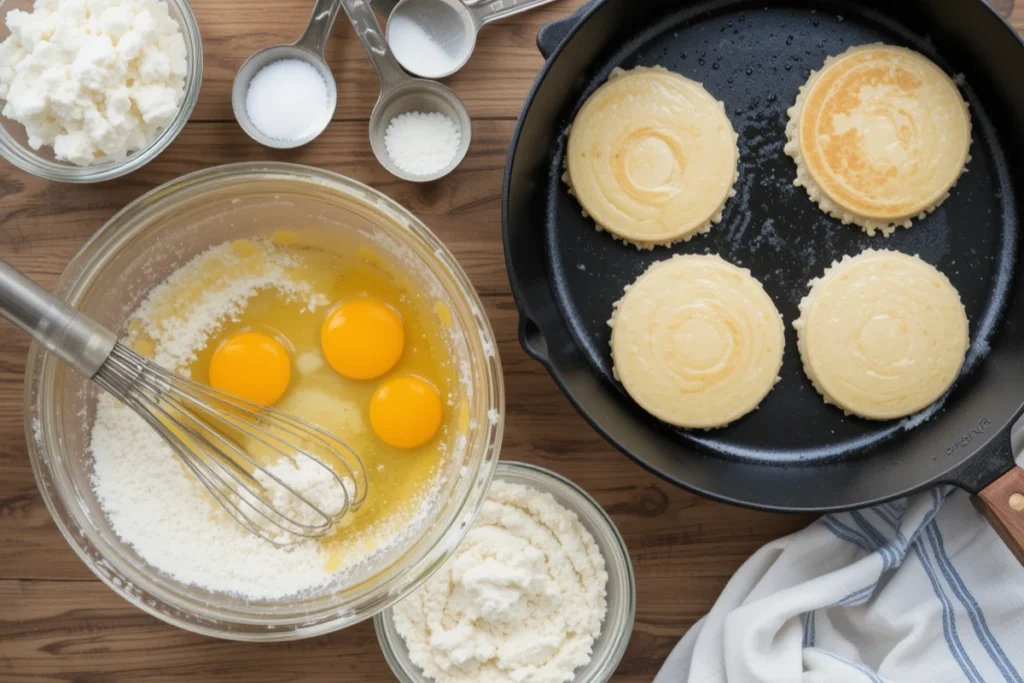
{"x": 318, "y": 30}
{"x": 360, "y": 13}
{"x": 486, "y": 12}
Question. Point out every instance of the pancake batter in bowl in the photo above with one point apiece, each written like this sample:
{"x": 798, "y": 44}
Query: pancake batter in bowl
{"x": 879, "y": 135}
{"x": 268, "y": 320}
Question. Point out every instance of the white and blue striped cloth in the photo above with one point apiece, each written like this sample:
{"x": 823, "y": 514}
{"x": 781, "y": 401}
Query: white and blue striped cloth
{"x": 917, "y": 590}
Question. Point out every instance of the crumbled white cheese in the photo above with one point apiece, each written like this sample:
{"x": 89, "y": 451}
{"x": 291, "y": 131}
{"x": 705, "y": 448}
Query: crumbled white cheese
{"x": 94, "y": 79}
{"x": 521, "y": 600}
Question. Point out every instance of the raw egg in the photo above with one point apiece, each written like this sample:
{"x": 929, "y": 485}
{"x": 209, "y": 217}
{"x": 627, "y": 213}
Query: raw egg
{"x": 362, "y": 339}
{"x": 405, "y": 412}
{"x": 252, "y": 366}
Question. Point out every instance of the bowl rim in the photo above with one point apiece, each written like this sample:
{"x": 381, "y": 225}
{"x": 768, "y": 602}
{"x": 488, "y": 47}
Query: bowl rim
{"x": 142, "y": 589}
{"x": 390, "y": 642}
{"x": 30, "y": 162}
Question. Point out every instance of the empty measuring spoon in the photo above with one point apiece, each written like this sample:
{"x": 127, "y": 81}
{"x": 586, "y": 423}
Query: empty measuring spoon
{"x": 435, "y": 38}
{"x": 309, "y": 49}
{"x": 401, "y": 94}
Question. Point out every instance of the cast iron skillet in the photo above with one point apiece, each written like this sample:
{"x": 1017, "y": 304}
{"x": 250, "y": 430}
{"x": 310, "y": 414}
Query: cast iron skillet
{"x": 794, "y": 453}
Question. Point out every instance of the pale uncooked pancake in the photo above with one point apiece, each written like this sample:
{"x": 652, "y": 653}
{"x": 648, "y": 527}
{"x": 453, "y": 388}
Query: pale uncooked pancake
{"x": 879, "y": 136}
{"x": 696, "y": 341}
{"x": 882, "y": 334}
{"x": 652, "y": 157}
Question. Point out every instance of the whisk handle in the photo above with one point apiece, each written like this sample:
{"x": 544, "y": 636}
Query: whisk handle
{"x": 78, "y": 340}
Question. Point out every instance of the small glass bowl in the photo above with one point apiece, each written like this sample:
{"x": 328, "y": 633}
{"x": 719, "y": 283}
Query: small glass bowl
{"x": 14, "y": 145}
{"x": 617, "y": 627}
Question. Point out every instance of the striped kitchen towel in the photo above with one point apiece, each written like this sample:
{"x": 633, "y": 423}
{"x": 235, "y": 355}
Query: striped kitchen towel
{"x": 920, "y": 589}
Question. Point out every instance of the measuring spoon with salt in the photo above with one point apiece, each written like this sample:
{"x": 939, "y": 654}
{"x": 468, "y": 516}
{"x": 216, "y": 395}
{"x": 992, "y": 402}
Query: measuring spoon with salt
{"x": 435, "y": 38}
{"x": 402, "y": 94}
{"x": 301, "y": 117}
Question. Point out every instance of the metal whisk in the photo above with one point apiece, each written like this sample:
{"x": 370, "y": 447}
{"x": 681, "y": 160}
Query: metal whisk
{"x": 229, "y": 444}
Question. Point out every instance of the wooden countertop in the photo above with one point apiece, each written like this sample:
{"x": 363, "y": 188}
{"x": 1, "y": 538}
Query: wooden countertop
{"x": 59, "y": 623}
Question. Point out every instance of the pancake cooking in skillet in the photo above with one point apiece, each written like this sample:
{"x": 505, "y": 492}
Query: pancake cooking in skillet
{"x": 882, "y": 334}
{"x": 879, "y": 135}
{"x": 652, "y": 157}
{"x": 696, "y": 341}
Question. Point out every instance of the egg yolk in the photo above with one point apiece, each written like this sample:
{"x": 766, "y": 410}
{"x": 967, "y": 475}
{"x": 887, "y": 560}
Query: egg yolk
{"x": 405, "y": 412}
{"x": 362, "y": 339}
{"x": 252, "y": 366}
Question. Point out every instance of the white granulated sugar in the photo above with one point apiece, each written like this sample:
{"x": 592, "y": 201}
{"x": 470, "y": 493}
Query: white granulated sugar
{"x": 522, "y": 599}
{"x": 320, "y": 490}
{"x": 422, "y": 144}
{"x": 287, "y": 100}
{"x": 493, "y": 416}
{"x": 420, "y": 52}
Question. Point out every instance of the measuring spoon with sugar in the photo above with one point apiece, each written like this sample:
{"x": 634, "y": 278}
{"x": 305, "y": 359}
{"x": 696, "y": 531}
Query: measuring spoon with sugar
{"x": 298, "y": 117}
{"x": 435, "y": 38}
{"x": 403, "y": 94}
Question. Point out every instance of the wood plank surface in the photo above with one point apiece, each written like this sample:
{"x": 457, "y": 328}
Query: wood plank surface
{"x": 59, "y": 623}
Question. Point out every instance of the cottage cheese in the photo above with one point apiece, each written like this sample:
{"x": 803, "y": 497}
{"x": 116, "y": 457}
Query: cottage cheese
{"x": 522, "y": 599}
{"x": 93, "y": 79}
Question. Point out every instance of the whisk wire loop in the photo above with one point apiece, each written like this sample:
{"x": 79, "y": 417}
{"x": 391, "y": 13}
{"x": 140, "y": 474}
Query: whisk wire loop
{"x": 218, "y": 437}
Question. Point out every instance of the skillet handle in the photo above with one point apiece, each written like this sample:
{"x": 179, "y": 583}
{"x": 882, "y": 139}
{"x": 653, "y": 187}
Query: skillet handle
{"x": 532, "y": 340}
{"x": 553, "y": 33}
{"x": 1002, "y": 503}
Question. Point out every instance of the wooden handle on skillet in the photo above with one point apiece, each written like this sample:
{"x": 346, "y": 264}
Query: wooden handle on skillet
{"x": 1002, "y": 503}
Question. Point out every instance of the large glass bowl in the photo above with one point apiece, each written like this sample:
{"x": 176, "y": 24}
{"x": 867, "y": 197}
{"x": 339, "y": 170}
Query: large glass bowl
{"x": 14, "y": 145}
{"x": 137, "y": 249}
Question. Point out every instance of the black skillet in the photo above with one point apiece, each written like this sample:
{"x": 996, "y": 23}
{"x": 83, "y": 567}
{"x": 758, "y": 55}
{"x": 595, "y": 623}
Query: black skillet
{"x": 795, "y": 453}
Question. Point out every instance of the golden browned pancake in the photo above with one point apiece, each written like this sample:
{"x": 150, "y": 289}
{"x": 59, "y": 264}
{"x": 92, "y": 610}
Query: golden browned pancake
{"x": 696, "y": 341}
{"x": 652, "y": 157}
{"x": 879, "y": 136}
{"x": 882, "y": 334}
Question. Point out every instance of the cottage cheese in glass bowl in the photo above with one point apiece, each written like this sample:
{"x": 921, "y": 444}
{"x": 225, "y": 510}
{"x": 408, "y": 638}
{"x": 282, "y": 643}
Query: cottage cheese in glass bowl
{"x": 518, "y": 601}
{"x": 93, "y": 89}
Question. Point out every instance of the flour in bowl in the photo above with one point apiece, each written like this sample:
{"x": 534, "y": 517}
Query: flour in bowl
{"x": 322, "y": 493}
{"x": 522, "y": 600}
{"x": 155, "y": 505}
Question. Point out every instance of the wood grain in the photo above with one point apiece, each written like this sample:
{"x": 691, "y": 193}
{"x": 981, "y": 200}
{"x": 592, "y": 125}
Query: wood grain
{"x": 58, "y": 623}
{"x": 1002, "y": 503}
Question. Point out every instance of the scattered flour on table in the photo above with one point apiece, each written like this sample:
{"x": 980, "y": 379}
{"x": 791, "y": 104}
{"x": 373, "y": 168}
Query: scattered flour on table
{"x": 522, "y": 599}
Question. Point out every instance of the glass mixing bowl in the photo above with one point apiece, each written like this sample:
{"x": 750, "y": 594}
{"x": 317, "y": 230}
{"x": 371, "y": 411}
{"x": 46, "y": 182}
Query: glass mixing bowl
{"x": 136, "y": 250}
{"x": 617, "y": 627}
{"x": 14, "y": 145}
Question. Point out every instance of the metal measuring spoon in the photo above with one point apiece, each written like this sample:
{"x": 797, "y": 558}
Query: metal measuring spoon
{"x": 308, "y": 48}
{"x": 400, "y": 93}
{"x": 435, "y": 38}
